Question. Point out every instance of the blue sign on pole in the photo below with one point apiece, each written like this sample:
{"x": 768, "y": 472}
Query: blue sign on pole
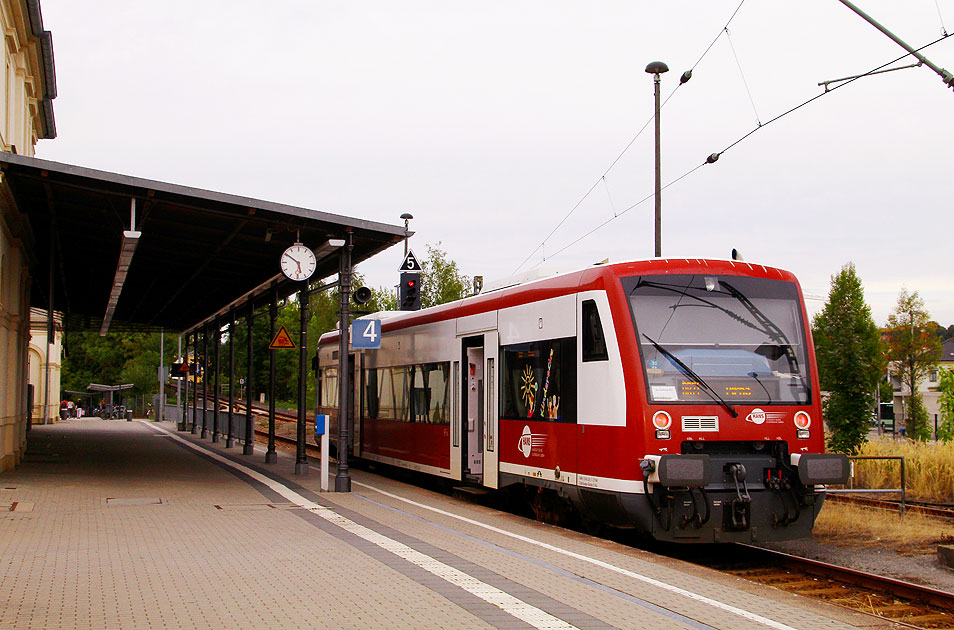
{"x": 321, "y": 422}
{"x": 366, "y": 333}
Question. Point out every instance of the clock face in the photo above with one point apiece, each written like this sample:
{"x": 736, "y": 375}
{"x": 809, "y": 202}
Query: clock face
{"x": 298, "y": 262}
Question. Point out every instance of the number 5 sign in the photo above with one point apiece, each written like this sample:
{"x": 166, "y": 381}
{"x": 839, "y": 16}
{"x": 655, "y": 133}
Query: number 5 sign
{"x": 366, "y": 333}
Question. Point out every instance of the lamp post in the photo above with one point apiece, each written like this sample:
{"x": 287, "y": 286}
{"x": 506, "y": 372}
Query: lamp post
{"x": 407, "y": 216}
{"x": 656, "y": 68}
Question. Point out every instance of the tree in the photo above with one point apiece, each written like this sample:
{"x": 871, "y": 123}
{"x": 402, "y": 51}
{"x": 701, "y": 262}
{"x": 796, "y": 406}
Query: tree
{"x": 942, "y": 332}
{"x": 945, "y": 430}
{"x": 850, "y": 361}
{"x": 913, "y": 350}
{"x": 441, "y": 279}
{"x": 117, "y": 358}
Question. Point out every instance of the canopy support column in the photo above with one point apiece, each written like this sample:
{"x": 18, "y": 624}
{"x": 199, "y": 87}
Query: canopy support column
{"x": 230, "y": 437}
{"x": 342, "y": 478}
{"x": 205, "y": 380}
{"x": 249, "y": 447}
{"x": 216, "y": 339}
{"x": 194, "y": 373}
{"x": 301, "y": 458}
{"x": 270, "y": 455}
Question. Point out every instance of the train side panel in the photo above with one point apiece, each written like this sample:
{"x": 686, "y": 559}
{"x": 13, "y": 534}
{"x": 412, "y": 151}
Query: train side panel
{"x": 393, "y": 428}
{"x": 538, "y": 434}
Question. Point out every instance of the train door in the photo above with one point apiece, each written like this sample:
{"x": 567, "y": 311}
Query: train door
{"x": 492, "y": 418}
{"x": 478, "y": 409}
{"x": 457, "y": 388}
{"x": 474, "y": 413}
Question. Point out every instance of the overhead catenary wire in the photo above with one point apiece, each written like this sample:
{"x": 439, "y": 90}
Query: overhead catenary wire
{"x": 621, "y": 213}
{"x": 728, "y": 37}
{"x": 589, "y": 191}
{"x": 940, "y": 18}
{"x": 609, "y": 196}
{"x": 721, "y": 32}
{"x": 715, "y": 156}
{"x": 602, "y": 178}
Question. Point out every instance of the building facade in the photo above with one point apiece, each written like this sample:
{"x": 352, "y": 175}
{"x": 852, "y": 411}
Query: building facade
{"x": 928, "y": 387}
{"x": 44, "y": 367}
{"x": 26, "y": 94}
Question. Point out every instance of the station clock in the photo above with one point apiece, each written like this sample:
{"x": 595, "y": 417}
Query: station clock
{"x": 298, "y": 262}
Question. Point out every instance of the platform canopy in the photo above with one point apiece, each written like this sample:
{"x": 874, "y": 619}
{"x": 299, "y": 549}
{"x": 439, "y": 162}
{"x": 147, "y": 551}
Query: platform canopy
{"x": 196, "y": 251}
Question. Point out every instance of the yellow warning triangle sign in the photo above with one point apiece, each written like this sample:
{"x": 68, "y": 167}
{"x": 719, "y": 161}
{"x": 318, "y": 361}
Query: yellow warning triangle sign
{"x": 282, "y": 341}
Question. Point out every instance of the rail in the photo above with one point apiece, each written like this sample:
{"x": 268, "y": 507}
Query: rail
{"x": 852, "y": 490}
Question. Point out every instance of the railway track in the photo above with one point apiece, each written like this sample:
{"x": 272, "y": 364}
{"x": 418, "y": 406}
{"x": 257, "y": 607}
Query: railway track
{"x": 904, "y": 603}
{"x": 936, "y": 510}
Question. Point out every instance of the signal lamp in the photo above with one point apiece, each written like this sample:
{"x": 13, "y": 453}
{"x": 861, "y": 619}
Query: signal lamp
{"x": 409, "y": 296}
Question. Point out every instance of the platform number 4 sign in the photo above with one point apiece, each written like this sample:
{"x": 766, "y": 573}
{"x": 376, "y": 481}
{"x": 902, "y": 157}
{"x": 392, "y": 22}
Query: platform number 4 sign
{"x": 366, "y": 333}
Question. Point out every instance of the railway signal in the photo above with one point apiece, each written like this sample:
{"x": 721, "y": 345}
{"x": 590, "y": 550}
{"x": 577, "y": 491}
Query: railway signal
{"x": 409, "y": 295}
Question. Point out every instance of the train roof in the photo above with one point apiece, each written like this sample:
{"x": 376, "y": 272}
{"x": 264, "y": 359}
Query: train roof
{"x": 526, "y": 288}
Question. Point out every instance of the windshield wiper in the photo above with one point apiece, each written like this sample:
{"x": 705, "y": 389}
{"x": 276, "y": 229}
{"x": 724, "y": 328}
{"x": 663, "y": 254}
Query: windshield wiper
{"x": 770, "y": 328}
{"x": 695, "y": 377}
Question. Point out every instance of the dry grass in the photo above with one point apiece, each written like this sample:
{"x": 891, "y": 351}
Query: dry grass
{"x": 929, "y": 469}
{"x": 841, "y": 523}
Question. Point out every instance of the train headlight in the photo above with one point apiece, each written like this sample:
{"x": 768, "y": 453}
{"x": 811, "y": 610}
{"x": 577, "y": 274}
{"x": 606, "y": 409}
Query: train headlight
{"x": 802, "y": 420}
{"x": 803, "y": 434}
{"x": 662, "y": 420}
{"x": 662, "y": 434}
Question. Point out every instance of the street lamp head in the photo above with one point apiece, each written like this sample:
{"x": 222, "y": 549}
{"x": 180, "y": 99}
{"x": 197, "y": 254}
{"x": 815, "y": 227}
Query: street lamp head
{"x": 406, "y": 216}
{"x": 657, "y": 67}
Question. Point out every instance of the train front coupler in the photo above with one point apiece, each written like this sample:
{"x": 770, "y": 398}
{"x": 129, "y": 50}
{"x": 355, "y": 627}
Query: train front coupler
{"x": 740, "y": 507}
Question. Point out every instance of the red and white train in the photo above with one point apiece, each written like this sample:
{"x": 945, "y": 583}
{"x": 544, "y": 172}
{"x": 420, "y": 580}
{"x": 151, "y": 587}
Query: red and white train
{"x": 679, "y": 397}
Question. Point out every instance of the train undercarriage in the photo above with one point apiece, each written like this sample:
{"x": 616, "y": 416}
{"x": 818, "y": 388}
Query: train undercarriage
{"x": 721, "y": 492}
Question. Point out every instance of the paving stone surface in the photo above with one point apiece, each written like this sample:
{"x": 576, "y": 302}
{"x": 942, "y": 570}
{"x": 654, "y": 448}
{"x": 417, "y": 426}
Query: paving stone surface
{"x": 131, "y": 525}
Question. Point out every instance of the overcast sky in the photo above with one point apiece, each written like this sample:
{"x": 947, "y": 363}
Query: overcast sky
{"x": 489, "y": 121}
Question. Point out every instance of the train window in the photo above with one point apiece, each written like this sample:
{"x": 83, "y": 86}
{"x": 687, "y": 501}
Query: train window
{"x": 370, "y": 400}
{"x": 594, "y": 343}
{"x": 410, "y": 393}
{"x": 391, "y": 395}
{"x": 455, "y": 430}
{"x": 538, "y": 381}
{"x": 723, "y": 338}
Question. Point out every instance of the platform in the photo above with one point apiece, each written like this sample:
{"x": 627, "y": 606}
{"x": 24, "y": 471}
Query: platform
{"x": 113, "y": 524}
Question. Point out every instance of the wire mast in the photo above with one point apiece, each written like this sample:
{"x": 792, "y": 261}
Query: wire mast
{"x": 947, "y": 77}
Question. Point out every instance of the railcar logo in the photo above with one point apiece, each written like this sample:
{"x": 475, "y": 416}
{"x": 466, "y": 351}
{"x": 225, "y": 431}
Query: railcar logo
{"x": 757, "y": 416}
{"x": 531, "y": 442}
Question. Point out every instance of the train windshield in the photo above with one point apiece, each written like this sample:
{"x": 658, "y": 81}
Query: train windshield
{"x": 723, "y": 339}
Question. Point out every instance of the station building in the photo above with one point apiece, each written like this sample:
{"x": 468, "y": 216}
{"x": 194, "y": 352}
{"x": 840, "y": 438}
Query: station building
{"x": 26, "y": 94}
{"x": 45, "y": 362}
